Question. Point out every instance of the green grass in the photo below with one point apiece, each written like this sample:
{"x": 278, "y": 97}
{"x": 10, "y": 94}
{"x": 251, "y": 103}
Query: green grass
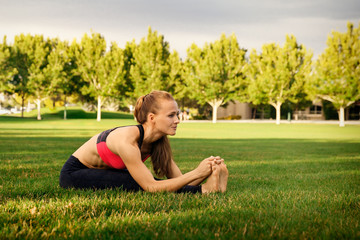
{"x": 286, "y": 182}
{"x": 72, "y": 113}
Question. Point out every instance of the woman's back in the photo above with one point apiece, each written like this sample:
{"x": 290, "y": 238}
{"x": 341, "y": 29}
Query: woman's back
{"x": 88, "y": 153}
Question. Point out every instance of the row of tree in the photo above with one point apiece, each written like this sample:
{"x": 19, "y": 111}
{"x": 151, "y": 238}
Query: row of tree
{"x": 218, "y": 72}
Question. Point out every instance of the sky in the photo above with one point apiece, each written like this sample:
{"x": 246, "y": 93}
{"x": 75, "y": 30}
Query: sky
{"x": 254, "y": 22}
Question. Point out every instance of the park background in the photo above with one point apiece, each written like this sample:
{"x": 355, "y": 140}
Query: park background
{"x": 286, "y": 181}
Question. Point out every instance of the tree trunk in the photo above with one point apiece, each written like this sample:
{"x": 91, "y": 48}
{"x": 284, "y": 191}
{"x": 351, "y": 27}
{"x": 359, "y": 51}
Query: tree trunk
{"x": 341, "y": 117}
{"x": 215, "y": 104}
{"x": 214, "y": 116}
{"x": 28, "y": 107}
{"x": 99, "y": 109}
{"x": 277, "y": 106}
{"x": 38, "y": 103}
{"x": 22, "y": 105}
{"x": 296, "y": 114}
{"x": 65, "y": 108}
{"x": 278, "y": 113}
{"x": 254, "y": 113}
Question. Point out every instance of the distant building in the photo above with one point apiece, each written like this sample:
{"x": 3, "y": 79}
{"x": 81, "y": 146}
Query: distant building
{"x": 315, "y": 112}
{"x": 235, "y": 110}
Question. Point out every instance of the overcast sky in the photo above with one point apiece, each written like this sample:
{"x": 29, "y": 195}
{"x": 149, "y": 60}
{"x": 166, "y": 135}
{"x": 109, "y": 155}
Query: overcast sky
{"x": 254, "y": 22}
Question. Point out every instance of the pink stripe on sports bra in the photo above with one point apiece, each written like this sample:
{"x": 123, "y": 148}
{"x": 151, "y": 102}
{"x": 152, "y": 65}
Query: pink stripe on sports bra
{"x": 110, "y": 158}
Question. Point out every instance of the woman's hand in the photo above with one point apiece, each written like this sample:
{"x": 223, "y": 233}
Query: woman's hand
{"x": 218, "y": 160}
{"x": 205, "y": 166}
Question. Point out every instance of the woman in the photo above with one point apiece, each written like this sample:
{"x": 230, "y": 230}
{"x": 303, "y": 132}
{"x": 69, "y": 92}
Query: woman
{"x": 114, "y": 158}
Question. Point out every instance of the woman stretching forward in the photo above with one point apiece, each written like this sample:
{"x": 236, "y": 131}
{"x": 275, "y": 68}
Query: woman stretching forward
{"x": 114, "y": 158}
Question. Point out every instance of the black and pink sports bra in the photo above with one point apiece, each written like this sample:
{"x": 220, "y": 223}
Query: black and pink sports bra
{"x": 111, "y": 159}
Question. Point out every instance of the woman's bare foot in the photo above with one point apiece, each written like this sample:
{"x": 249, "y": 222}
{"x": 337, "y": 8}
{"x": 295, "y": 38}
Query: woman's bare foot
{"x": 213, "y": 182}
{"x": 224, "y": 173}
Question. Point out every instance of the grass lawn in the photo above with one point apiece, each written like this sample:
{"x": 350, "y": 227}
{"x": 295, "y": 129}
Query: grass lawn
{"x": 286, "y": 182}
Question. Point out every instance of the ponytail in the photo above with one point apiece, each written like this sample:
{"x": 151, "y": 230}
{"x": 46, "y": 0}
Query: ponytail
{"x": 139, "y": 115}
{"x": 161, "y": 154}
{"x": 161, "y": 157}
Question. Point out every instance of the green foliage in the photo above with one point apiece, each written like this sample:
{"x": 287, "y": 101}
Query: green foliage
{"x": 215, "y": 73}
{"x": 34, "y": 68}
{"x": 28, "y": 58}
{"x": 150, "y": 69}
{"x": 37, "y": 51}
{"x": 101, "y": 71}
{"x": 5, "y": 68}
{"x": 61, "y": 71}
{"x": 286, "y": 182}
{"x": 61, "y": 68}
{"x": 176, "y": 76}
{"x": 278, "y": 74}
{"x": 337, "y": 77}
{"x": 112, "y": 73}
{"x": 232, "y": 117}
{"x": 128, "y": 63}
{"x": 89, "y": 54}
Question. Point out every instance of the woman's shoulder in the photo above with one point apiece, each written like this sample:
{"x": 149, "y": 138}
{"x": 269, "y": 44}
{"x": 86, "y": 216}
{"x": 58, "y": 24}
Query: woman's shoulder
{"x": 125, "y": 133}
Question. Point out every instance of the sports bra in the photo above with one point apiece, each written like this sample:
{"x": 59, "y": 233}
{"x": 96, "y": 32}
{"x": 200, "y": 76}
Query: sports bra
{"x": 109, "y": 158}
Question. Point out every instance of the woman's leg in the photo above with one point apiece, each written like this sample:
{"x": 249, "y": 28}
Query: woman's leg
{"x": 222, "y": 179}
{"x": 190, "y": 189}
{"x": 213, "y": 182}
{"x": 224, "y": 173}
{"x": 75, "y": 174}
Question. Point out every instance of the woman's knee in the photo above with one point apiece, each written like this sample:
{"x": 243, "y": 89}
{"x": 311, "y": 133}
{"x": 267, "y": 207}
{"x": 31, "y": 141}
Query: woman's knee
{"x": 64, "y": 180}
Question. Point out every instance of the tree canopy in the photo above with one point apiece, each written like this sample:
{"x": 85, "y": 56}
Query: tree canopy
{"x": 215, "y": 73}
{"x": 337, "y": 76}
{"x": 101, "y": 71}
{"x": 278, "y": 73}
{"x": 220, "y": 71}
{"x": 150, "y": 69}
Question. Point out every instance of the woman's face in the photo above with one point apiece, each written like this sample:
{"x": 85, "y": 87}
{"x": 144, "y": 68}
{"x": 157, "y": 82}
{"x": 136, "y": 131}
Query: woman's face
{"x": 166, "y": 119}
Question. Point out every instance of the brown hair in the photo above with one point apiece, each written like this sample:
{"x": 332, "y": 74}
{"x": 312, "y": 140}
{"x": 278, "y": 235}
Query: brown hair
{"x": 161, "y": 154}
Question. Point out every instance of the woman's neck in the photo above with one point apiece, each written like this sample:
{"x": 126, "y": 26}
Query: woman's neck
{"x": 151, "y": 134}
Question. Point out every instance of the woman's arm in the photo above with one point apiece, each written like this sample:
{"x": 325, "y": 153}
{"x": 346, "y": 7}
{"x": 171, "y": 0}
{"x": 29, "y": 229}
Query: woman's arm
{"x": 131, "y": 156}
{"x": 176, "y": 172}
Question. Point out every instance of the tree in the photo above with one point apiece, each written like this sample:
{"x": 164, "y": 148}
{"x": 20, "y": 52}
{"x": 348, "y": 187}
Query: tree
{"x": 278, "y": 74}
{"x": 176, "y": 77}
{"x": 28, "y": 58}
{"x": 112, "y": 72}
{"x": 5, "y": 68}
{"x": 102, "y": 72}
{"x": 60, "y": 70}
{"x": 150, "y": 69}
{"x": 37, "y": 51}
{"x": 337, "y": 77}
{"x": 19, "y": 64}
{"x": 128, "y": 64}
{"x": 215, "y": 73}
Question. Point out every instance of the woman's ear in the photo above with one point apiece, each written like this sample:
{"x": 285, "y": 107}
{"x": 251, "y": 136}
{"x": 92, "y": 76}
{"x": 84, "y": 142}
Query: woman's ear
{"x": 151, "y": 117}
